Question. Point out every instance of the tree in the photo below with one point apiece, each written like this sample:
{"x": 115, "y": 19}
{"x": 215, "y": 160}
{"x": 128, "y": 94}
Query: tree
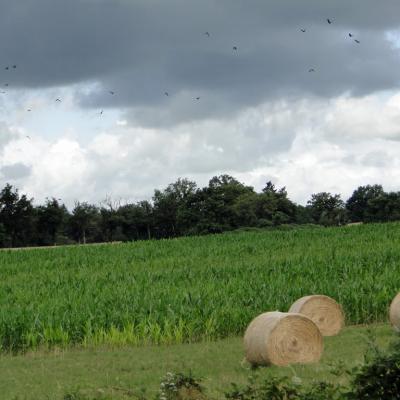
{"x": 245, "y": 209}
{"x": 184, "y": 209}
{"x": 170, "y": 207}
{"x": 84, "y": 220}
{"x": 358, "y": 205}
{"x": 110, "y": 219}
{"x": 275, "y": 206}
{"x": 327, "y": 209}
{"x": 137, "y": 220}
{"x": 383, "y": 208}
{"x": 145, "y": 218}
{"x": 51, "y": 218}
{"x": 216, "y": 207}
{"x": 303, "y": 215}
{"x": 3, "y": 235}
{"x": 17, "y": 217}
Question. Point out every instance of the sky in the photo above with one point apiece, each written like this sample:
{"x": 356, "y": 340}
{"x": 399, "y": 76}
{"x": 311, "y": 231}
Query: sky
{"x": 154, "y": 90}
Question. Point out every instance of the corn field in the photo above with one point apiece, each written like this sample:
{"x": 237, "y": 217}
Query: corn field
{"x": 190, "y": 289}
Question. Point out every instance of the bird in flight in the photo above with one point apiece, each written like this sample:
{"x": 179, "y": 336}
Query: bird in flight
{"x": 14, "y": 66}
{"x": 166, "y": 93}
{"x": 357, "y": 41}
{"x": 7, "y": 68}
{"x": 303, "y": 30}
{"x": 28, "y": 137}
{"x": 197, "y": 98}
{"x": 350, "y": 34}
{"x": 311, "y": 70}
{"x": 329, "y": 21}
{"x": 58, "y": 100}
{"x": 29, "y": 110}
{"x": 207, "y": 34}
{"x": 101, "y": 112}
{"x": 111, "y": 92}
{"x": 6, "y": 84}
{"x": 234, "y": 48}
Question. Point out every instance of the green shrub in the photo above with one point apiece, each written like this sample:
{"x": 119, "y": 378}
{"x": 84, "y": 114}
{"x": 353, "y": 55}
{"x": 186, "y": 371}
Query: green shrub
{"x": 273, "y": 389}
{"x": 379, "y": 378}
{"x": 178, "y": 386}
{"x": 284, "y": 389}
{"x": 324, "y": 391}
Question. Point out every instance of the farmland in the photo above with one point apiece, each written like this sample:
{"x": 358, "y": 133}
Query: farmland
{"x": 190, "y": 289}
{"x": 108, "y": 372}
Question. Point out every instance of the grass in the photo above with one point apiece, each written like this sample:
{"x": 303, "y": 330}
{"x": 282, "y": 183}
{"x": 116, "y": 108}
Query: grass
{"x": 190, "y": 289}
{"x": 117, "y": 372}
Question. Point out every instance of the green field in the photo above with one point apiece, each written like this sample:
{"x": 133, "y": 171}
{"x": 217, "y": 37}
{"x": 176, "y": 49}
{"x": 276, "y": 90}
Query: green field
{"x": 191, "y": 289}
{"x": 125, "y": 372}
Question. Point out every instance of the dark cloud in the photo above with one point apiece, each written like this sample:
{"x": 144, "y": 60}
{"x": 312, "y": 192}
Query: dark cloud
{"x": 142, "y": 48}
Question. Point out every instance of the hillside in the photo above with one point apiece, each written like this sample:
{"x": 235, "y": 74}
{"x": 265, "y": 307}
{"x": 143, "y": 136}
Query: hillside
{"x": 184, "y": 290}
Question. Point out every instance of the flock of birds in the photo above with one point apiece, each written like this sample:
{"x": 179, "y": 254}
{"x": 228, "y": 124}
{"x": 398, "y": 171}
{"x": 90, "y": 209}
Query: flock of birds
{"x": 330, "y": 21}
{"x": 234, "y": 48}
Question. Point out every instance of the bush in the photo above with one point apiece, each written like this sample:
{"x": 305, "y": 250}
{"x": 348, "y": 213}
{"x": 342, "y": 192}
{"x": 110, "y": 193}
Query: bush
{"x": 379, "y": 378}
{"x": 285, "y": 389}
{"x": 274, "y": 389}
{"x": 180, "y": 387}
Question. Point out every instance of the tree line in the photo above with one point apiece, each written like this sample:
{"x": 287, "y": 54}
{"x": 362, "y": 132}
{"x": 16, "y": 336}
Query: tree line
{"x": 182, "y": 208}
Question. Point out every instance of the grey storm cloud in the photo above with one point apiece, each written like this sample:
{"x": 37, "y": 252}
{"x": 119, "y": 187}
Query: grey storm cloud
{"x": 141, "y": 49}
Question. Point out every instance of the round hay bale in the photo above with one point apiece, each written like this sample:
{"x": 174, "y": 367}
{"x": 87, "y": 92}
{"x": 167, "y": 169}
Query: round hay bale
{"x": 395, "y": 313}
{"x": 325, "y": 312}
{"x": 282, "y": 339}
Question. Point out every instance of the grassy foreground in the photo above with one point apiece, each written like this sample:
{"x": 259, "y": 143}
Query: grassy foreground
{"x": 123, "y": 372}
{"x": 190, "y": 289}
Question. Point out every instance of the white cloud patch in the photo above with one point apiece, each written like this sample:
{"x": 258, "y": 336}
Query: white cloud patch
{"x": 393, "y": 36}
{"x": 374, "y": 116}
{"x": 308, "y": 146}
{"x": 56, "y": 168}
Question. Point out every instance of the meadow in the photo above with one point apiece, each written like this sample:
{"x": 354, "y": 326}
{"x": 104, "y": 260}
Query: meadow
{"x": 191, "y": 289}
{"x": 117, "y": 373}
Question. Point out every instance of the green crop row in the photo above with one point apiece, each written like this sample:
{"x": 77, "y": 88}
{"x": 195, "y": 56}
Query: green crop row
{"x": 190, "y": 289}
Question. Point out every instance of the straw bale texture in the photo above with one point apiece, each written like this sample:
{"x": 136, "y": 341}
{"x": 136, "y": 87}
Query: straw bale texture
{"x": 395, "y": 313}
{"x": 325, "y": 312}
{"x": 282, "y": 339}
